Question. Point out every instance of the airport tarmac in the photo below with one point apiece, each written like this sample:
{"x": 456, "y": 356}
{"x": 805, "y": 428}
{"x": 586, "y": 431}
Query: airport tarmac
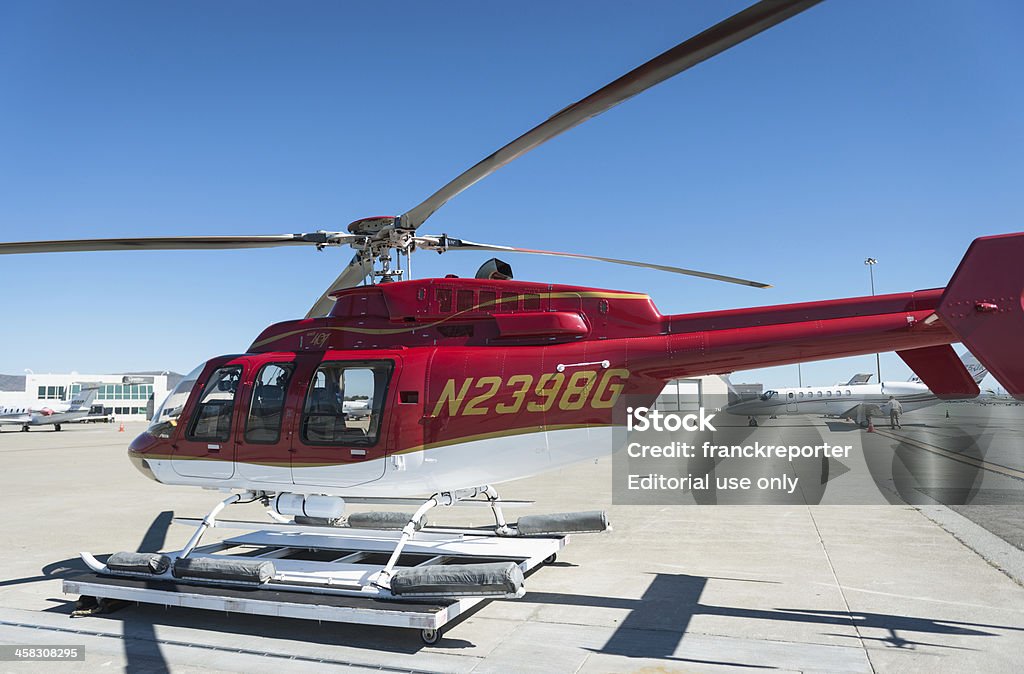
{"x": 836, "y": 588}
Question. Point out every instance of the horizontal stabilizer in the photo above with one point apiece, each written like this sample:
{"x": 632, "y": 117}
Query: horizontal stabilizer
{"x": 942, "y": 371}
{"x": 982, "y": 306}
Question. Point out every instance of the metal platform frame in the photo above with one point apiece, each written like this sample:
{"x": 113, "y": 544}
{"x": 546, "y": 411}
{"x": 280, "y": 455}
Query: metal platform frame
{"x": 325, "y": 573}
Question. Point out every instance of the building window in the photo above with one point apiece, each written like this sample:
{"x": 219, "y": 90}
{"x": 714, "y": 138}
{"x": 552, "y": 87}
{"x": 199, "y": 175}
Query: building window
{"x": 124, "y": 392}
{"x": 51, "y": 392}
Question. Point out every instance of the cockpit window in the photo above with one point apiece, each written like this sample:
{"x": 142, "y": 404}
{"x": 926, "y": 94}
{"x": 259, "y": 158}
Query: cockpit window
{"x": 768, "y": 395}
{"x": 165, "y": 418}
{"x": 345, "y": 402}
{"x": 212, "y": 418}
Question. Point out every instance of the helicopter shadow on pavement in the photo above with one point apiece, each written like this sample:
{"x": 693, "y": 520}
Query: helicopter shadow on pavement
{"x": 657, "y": 622}
{"x": 654, "y": 628}
{"x": 141, "y": 647}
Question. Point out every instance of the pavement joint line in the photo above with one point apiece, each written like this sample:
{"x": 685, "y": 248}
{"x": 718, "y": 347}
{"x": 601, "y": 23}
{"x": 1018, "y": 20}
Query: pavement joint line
{"x": 930, "y": 599}
{"x": 969, "y": 460}
{"x": 993, "y": 550}
{"x": 718, "y": 635}
{"x": 223, "y": 649}
{"x": 772, "y": 640}
{"x": 842, "y": 593}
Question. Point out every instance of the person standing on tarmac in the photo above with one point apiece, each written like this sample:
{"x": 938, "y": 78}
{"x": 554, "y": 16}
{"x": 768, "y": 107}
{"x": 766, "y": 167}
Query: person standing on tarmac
{"x": 895, "y": 410}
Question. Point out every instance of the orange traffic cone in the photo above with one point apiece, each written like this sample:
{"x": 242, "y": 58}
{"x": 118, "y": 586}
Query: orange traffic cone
{"x": 121, "y": 429}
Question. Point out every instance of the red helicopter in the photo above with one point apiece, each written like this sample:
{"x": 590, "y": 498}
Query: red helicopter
{"x": 447, "y": 386}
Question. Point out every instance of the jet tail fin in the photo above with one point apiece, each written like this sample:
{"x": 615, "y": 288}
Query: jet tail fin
{"x": 83, "y": 400}
{"x": 983, "y": 306}
{"x": 974, "y": 366}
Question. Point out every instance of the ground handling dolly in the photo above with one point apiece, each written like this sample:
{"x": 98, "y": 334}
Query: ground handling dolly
{"x": 375, "y": 568}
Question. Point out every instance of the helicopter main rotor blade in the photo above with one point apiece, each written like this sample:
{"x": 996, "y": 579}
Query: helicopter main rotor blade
{"x": 444, "y": 243}
{"x": 355, "y": 272}
{"x": 177, "y": 243}
{"x": 713, "y": 41}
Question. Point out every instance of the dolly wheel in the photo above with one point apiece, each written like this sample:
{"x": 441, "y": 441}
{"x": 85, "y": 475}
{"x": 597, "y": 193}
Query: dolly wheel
{"x": 551, "y": 559}
{"x": 56, "y": 427}
{"x": 430, "y": 637}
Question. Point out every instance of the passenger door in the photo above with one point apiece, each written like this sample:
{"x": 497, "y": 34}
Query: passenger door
{"x": 340, "y": 436}
{"x": 263, "y": 452}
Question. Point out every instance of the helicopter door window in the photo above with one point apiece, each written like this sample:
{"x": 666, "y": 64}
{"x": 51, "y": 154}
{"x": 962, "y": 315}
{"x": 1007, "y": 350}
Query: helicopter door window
{"x": 268, "y": 395}
{"x": 344, "y": 403}
{"x": 212, "y": 418}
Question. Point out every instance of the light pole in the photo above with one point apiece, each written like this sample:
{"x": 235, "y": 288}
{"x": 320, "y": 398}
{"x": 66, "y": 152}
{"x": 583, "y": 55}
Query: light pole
{"x": 871, "y": 262}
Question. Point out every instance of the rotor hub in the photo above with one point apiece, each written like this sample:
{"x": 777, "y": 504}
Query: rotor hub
{"x": 372, "y": 226}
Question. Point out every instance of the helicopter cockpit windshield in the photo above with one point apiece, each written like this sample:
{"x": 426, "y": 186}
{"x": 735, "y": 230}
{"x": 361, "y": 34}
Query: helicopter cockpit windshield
{"x": 769, "y": 395}
{"x": 165, "y": 418}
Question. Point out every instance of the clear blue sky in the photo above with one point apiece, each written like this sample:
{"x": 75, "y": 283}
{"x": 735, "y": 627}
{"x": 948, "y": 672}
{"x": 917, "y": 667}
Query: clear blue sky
{"x": 861, "y": 128}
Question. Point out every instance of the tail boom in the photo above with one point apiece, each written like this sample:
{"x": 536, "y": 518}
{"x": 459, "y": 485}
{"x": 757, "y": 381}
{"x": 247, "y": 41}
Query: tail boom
{"x": 719, "y": 342}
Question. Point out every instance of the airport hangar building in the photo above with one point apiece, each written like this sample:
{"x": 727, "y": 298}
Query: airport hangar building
{"x": 121, "y": 397}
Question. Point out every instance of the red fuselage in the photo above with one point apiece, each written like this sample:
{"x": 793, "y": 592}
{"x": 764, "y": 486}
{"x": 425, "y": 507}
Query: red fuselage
{"x": 470, "y": 360}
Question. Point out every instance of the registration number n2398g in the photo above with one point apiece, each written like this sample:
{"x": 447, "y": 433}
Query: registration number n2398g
{"x": 527, "y": 393}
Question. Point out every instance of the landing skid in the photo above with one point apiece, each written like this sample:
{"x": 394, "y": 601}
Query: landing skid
{"x": 419, "y": 577}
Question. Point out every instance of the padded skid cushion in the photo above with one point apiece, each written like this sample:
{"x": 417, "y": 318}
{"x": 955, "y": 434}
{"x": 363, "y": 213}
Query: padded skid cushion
{"x": 252, "y": 571}
{"x": 139, "y": 562}
{"x": 497, "y": 578}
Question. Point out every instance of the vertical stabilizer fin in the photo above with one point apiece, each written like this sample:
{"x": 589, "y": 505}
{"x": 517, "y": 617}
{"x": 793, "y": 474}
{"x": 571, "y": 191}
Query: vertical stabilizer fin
{"x": 942, "y": 371}
{"x": 982, "y": 306}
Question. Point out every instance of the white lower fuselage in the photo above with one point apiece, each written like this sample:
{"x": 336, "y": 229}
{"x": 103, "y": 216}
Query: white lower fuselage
{"x": 456, "y": 466}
